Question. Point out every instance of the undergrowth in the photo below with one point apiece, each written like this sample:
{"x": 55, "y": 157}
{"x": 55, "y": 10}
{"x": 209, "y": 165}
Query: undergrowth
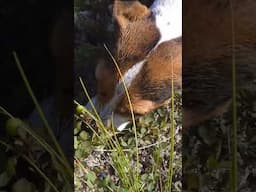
{"x": 105, "y": 160}
{"x": 32, "y": 159}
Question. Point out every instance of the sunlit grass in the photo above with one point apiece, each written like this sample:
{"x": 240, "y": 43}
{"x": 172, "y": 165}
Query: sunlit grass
{"x": 172, "y": 133}
{"x": 137, "y": 182}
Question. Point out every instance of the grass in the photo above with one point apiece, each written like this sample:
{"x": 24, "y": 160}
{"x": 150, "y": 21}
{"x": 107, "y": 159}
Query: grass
{"x": 23, "y": 142}
{"x": 117, "y": 161}
{"x": 234, "y": 168}
{"x": 171, "y": 136}
{"x": 208, "y": 153}
{"x": 136, "y": 184}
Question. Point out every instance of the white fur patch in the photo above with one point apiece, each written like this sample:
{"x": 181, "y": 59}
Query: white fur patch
{"x": 120, "y": 122}
{"x": 106, "y": 111}
{"x": 128, "y": 77}
{"x": 168, "y": 14}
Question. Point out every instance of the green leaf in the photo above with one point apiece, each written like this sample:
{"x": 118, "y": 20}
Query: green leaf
{"x": 91, "y": 176}
{"x": 84, "y": 135}
{"x": 12, "y": 125}
{"x": 23, "y": 185}
{"x": 212, "y": 163}
{"x": 4, "y": 179}
{"x": 75, "y": 143}
{"x": 193, "y": 181}
{"x": 11, "y": 165}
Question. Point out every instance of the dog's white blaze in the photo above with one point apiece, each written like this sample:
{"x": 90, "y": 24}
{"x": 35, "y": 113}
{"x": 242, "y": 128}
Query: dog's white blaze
{"x": 168, "y": 15}
{"x": 105, "y": 112}
{"x": 120, "y": 122}
{"x": 129, "y": 77}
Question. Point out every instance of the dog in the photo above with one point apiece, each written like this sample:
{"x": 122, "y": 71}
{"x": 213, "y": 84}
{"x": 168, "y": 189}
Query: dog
{"x": 147, "y": 49}
{"x": 155, "y": 45}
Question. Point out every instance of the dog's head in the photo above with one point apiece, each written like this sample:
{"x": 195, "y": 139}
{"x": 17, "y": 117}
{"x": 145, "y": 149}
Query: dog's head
{"x": 148, "y": 58}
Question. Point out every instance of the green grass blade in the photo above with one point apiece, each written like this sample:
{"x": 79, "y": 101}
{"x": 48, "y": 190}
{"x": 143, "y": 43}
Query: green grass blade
{"x": 172, "y": 134}
{"x": 90, "y": 101}
{"x": 34, "y": 166}
{"x": 40, "y": 140}
{"x": 234, "y": 107}
{"x": 5, "y": 112}
{"x": 42, "y": 116}
{"x": 137, "y": 183}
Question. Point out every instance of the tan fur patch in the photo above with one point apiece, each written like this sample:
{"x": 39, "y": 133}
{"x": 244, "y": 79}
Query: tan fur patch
{"x": 165, "y": 63}
{"x": 129, "y": 11}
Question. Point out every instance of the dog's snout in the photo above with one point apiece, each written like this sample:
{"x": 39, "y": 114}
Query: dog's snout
{"x": 107, "y": 115}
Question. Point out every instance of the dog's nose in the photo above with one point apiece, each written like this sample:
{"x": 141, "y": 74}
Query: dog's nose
{"x": 120, "y": 122}
{"x": 107, "y": 115}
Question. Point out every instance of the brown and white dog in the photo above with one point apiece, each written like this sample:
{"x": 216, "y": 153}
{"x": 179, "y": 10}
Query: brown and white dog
{"x": 147, "y": 49}
{"x": 150, "y": 53}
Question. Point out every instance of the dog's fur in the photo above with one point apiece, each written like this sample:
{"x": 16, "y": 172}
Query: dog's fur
{"x": 208, "y": 56}
{"x": 142, "y": 44}
{"x": 148, "y": 59}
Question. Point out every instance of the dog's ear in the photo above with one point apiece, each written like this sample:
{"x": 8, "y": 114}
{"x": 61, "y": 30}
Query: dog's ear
{"x": 125, "y": 12}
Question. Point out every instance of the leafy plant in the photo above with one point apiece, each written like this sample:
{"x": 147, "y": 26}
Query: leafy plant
{"x": 41, "y": 157}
